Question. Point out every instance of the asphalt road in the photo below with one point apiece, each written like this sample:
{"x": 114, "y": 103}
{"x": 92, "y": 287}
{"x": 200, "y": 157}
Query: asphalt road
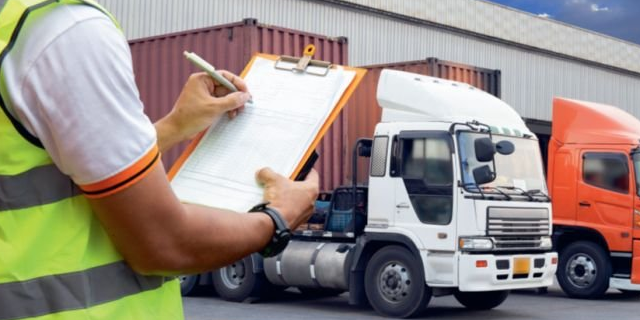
{"x": 520, "y": 305}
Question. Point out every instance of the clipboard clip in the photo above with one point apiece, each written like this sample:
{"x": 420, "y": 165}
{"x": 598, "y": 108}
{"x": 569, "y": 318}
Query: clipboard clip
{"x": 304, "y": 64}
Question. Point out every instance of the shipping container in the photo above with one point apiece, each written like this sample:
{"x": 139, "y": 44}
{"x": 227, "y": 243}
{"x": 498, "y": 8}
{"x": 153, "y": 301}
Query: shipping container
{"x": 362, "y": 112}
{"x": 161, "y": 70}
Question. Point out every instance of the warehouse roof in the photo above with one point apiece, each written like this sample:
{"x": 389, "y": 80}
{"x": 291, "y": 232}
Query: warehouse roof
{"x": 505, "y": 23}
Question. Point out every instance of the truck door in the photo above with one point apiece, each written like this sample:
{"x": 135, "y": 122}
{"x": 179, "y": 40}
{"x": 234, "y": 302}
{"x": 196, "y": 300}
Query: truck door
{"x": 424, "y": 188}
{"x": 635, "y": 264}
{"x": 605, "y": 200}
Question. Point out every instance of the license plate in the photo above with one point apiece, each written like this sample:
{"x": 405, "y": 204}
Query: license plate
{"x": 521, "y": 265}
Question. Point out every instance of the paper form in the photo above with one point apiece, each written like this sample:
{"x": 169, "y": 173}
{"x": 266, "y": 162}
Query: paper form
{"x": 287, "y": 112}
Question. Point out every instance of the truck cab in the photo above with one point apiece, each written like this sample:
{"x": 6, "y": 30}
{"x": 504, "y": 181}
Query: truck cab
{"x": 480, "y": 223}
{"x": 456, "y": 203}
{"x": 594, "y": 162}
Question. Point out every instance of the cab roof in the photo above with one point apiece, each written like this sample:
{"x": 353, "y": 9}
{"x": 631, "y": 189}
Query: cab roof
{"x": 583, "y": 122}
{"x": 410, "y": 97}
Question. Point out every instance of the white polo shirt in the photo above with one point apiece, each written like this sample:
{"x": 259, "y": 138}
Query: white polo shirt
{"x": 71, "y": 84}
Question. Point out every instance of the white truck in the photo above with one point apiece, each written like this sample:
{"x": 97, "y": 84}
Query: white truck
{"x": 455, "y": 204}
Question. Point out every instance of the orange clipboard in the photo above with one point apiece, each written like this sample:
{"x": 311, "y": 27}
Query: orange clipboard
{"x": 301, "y": 65}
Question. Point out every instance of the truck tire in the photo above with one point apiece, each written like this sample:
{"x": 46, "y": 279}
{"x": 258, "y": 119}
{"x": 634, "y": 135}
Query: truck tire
{"x": 481, "y": 300}
{"x": 584, "y": 270}
{"x": 394, "y": 283}
{"x": 237, "y": 282}
{"x": 188, "y": 284}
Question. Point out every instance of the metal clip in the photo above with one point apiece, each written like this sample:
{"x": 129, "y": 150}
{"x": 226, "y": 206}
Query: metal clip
{"x": 304, "y": 64}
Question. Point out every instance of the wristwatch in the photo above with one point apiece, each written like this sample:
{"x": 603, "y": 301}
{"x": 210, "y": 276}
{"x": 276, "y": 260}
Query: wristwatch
{"x": 282, "y": 234}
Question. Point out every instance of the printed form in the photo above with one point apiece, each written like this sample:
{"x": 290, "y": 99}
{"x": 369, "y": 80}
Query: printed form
{"x": 275, "y": 131}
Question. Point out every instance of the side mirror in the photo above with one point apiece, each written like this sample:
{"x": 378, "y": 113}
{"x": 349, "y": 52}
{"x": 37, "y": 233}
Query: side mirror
{"x": 364, "y": 147}
{"x": 505, "y": 147}
{"x": 483, "y": 175}
{"x": 484, "y": 148}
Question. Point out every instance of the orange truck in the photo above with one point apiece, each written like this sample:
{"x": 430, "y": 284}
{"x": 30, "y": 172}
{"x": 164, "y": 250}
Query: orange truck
{"x": 594, "y": 181}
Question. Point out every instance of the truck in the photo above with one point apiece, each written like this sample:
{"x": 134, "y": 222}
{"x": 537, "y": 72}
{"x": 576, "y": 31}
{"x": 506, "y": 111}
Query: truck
{"x": 455, "y": 204}
{"x": 594, "y": 180}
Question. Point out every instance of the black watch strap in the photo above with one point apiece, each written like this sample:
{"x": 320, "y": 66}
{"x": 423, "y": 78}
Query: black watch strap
{"x": 282, "y": 234}
{"x": 278, "y": 220}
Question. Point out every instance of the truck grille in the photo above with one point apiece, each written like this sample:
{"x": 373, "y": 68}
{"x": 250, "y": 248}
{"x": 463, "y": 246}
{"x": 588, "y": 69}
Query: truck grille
{"x": 513, "y": 228}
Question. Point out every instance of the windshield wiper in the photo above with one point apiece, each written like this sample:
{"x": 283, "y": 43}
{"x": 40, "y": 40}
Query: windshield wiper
{"x": 522, "y": 191}
{"x": 539, "y": 192}
{"x": 477, "y": 187}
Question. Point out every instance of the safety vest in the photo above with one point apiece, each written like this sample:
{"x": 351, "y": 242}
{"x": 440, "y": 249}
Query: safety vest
{"x": 56, "y": 260}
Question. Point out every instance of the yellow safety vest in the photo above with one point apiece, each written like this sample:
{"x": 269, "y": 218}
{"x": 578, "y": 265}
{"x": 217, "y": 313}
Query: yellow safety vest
{"x": 56, "y": 260}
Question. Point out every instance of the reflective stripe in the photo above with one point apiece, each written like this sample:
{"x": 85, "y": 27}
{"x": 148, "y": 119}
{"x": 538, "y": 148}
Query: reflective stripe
{"x": 71, "y": 291}
{"x": 38, "y": 186}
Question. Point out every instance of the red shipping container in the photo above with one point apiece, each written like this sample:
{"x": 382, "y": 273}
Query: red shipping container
{"x": 362, "y": 112}
{"x": 161, "y": 70}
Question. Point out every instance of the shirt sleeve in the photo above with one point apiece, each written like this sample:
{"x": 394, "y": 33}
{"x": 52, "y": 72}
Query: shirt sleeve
{"x": 84, "y": 106}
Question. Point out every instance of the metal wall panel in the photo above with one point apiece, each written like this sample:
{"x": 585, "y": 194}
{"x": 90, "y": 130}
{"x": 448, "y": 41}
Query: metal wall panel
{"x": 530, "y": 79}
{"x": 363, "y": 112}
{"x": 482, "y": 17}
{"x": 161, "y": 70}
{"x": 510, "y": 24}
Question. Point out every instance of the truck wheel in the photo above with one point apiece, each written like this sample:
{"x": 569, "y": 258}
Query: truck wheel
{"x": 584, "y": 270}
{"x": 237, "y": 282}
{"x": 188, "y": 283}
{"x": 394, "y": 283}
{"x": 481, "y": 300}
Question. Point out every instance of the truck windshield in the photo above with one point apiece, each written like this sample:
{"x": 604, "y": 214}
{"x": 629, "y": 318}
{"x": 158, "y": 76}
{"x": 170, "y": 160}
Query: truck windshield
{"x": 636, "y": 167}
{"x": 520, "y": 172}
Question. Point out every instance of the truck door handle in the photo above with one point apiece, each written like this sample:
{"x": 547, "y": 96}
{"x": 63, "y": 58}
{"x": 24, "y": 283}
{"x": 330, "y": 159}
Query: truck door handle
{"x": 585, "y": 204}
{"x": 403, "y": 206}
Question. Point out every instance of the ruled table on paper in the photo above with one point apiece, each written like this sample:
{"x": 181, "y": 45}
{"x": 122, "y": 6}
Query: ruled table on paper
{"x": 287, "y": 112}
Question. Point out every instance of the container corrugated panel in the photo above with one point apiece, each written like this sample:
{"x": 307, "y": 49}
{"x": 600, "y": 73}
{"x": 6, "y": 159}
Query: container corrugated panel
{"x": 161, "y": 70}
{"x": 363, "y": 111}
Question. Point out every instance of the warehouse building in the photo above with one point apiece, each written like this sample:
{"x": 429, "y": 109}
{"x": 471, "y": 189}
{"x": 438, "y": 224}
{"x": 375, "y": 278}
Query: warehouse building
{"x": 524, "y": 59}
{"x": 538, "y": 58}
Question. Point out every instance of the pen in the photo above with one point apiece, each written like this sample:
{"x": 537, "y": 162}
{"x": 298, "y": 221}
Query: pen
{"x": 209, "y": 69}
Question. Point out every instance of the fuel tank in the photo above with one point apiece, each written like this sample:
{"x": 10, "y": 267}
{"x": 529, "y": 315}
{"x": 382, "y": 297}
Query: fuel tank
{"x": 312, "y": 265}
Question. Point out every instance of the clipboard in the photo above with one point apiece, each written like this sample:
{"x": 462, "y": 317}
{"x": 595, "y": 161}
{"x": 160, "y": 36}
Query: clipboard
{"x": 304, "y": 65}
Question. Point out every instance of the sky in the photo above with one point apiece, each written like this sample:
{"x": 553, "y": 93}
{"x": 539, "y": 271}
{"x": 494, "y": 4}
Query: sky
{"x": 617, "y": 18}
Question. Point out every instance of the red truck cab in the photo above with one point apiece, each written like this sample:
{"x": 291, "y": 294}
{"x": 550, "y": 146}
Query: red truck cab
{"x": 594, "y": 178}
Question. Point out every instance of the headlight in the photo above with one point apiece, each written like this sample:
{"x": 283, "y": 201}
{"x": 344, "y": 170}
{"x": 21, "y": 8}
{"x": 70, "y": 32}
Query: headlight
{"x": 475, "y": 244}
{"x": 545, "y": 243}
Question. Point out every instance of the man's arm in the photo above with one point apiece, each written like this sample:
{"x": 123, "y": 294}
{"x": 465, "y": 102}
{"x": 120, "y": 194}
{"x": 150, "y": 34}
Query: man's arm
{"x": 157, "y": 234}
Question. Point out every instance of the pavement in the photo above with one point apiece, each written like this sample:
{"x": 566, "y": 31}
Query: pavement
{"x": 520, "y": 305}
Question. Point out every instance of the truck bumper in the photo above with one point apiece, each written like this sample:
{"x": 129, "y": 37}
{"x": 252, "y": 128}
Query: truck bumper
{"x": 506, "y": 272}
{"x": 623, "y": 284}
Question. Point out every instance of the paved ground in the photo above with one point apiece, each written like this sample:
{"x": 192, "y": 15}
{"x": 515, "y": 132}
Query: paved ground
{"x": 521, "y": 305}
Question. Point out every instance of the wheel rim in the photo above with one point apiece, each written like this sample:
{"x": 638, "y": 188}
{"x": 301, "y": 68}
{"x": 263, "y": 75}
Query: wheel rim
{"x": 233, "y": 275}
{"x": 581, "y": 270}
{"x": 394, "y": 282}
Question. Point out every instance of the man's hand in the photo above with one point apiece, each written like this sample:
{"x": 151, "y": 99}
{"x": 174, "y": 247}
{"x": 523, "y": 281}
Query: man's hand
{"x": 201, "y": 103}
{"x": 294, "y": 200}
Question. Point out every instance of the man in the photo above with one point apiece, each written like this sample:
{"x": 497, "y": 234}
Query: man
{"x": 71, "y": 117}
